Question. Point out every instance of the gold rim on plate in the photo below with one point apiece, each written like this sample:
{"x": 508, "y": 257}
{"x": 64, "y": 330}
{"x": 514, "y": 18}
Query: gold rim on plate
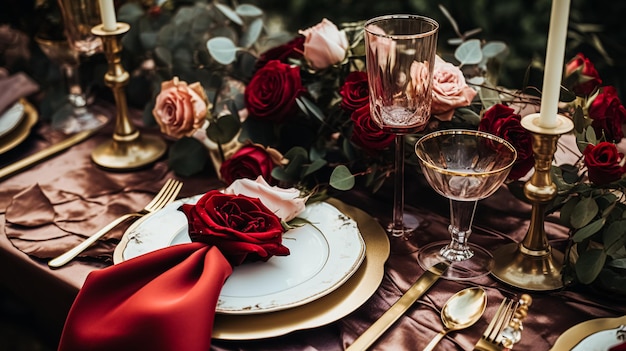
{"x": 574, "y": 335}
{"x": 22, "y": 130}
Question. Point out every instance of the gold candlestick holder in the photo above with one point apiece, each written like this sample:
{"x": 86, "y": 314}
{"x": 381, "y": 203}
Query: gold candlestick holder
{"x": 128, "y": 149}
{"x": 533, "y": 264}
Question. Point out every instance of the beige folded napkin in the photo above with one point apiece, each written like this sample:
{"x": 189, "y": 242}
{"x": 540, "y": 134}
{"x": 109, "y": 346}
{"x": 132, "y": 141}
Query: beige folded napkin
{"x": 13, "y": 87}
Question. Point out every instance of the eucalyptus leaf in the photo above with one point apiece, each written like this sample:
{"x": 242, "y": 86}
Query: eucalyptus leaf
{"x": 469, "y": 53}
{"x": 279, "y": 173}
{"x": 251, "y": 35}
{"x": 248, "y": 10}
{"x": 589, "y": 265}
{"x": 224, "y": 129}
{"x": 614, "y": 237}
{"x": 588, "y": 230}
{"x": 618, "y": 263}
{"x": 341, "y": 178}
{"x": 311, "y": 107}
{"x": 494, "y": 48}
{"x": 222, "y": 49}
{"x": 129, "y": 12}
{"x": 228, "y": 12}
{"x": 585, "y": 210}
{"x": 314, "y": 166}
{"x": 567, "y": 210}
{"x": 187, "y": 156}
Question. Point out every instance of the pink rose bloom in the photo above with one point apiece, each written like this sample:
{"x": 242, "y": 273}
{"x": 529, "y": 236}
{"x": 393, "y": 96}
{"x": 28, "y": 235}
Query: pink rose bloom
{"x": 180, "y": 109}
{"x": 449, "y": 90}
{"x": 324, "y": 45}
{"x": 417, "y": 88}
{"x": 287, "y": 204}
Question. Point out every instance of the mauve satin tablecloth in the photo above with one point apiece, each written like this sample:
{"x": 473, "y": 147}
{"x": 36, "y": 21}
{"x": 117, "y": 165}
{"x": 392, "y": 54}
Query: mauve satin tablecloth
{"x": 67, "y": 197}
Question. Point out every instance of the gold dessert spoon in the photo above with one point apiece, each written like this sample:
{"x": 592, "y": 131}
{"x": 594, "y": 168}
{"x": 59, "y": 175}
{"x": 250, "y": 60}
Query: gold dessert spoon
{"x": 460, "y": 311}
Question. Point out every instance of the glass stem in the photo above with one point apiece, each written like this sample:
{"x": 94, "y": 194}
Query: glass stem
{"x": 461, "y": 216}
{"x": 398, "y": 195}
{"x": 76, "y": 96}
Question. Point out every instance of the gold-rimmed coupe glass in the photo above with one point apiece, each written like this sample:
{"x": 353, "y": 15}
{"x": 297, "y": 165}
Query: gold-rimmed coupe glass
{"x": 464, "y": 166}
{"x": 400, "y": 56}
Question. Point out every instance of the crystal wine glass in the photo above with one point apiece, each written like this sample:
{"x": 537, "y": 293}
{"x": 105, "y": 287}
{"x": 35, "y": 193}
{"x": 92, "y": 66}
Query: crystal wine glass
{"x": 400, "y": 55}
{"x": 78, "y": 16}
{"x": 465, "y": 166}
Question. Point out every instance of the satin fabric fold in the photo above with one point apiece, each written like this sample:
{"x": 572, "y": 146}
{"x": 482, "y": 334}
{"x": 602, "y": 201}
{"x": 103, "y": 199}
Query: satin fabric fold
{"x": 161, "y": 301}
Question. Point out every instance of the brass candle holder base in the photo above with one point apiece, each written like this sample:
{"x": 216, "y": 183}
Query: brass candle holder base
{"x": 128, "y": 149}
{"x": 533, "y": 264}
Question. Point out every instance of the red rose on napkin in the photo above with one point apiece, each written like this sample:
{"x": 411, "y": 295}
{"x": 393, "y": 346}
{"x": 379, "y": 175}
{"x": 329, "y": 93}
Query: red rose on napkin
{"x": 240, "y": 226}
{"x": 355, "y": 91}
{"x": 602, "y": 163}
{"x": 272, "y": 92}
{"x": 367, "y": 133}
{"x": 502, "y": 121}
{"x": 608, "y": 114}
{"x": 250, "y": 162}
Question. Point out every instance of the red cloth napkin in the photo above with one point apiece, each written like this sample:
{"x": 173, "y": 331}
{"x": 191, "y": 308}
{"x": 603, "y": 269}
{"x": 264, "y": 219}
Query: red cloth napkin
{"x": 163, "y": 300}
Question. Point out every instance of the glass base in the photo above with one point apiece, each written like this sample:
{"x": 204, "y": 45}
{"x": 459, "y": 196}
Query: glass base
{"x": 70, "y": 120}
{"x": 479, "y": 265}
{"x": 402, "y": 240}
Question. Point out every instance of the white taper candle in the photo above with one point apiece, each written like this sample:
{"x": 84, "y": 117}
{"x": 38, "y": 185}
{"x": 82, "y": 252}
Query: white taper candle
{"x": 107, "y": 13}
{"x": 555, "y": 54}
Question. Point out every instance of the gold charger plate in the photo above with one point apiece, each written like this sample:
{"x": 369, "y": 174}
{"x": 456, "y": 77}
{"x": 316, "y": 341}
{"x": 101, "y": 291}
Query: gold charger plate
{"x": 574, "y": 335}
{"x": 330, "y": 308}
{"x": 22, "y": 130}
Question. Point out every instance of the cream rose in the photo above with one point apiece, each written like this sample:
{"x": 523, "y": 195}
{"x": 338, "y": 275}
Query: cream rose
{"x": 449, "y": 90}
{"x": 324, "y": 44}
{"x": 285, "y": 203}
{"x": 180, "y": 109}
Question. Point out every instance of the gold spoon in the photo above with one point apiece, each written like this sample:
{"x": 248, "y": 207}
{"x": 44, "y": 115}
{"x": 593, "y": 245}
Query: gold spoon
{"x": 460, "y": 311}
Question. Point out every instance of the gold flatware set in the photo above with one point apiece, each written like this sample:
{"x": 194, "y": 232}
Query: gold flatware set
{"x": 165, "y": 196}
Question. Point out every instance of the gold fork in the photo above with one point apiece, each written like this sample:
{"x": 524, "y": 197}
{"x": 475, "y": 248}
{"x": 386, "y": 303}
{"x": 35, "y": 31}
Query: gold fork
{"x": 166, "y": 195}
{"x": 491, "y": 338}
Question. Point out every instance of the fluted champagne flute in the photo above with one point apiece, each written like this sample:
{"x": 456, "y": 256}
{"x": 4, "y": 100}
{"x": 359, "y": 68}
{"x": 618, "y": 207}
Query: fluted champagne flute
{"x": 464, "y": 166}
{"x": 400, "y": 57}
{"x": 78, "y": 18}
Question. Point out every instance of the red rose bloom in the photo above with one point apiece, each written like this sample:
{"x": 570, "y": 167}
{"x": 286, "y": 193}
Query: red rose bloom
{"x": 602, "y": 163}
{"x": 294, "y": 49}
{"x": 249, "y": 162}
{"x": 582, "y": 74}
{"x": 240, "y": 226}
{"x": 502, "y": 121}
{"x": 608, "y": 114}
{"x": 272, "y": 92}
{"x": 355, "y": 91}
{"x": 366, "y": 133}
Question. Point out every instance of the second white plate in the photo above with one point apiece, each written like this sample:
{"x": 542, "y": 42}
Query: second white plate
{"x": 323, "y": 255}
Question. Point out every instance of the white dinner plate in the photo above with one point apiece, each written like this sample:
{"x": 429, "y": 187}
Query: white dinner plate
{"x": 11, "y": 118}
{"x": 323, "y": 255}
{"x": 598, "y": 334}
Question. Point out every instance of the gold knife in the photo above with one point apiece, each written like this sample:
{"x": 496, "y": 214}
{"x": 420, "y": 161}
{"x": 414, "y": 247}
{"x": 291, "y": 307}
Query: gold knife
{"x": 402, "y": 305}
{"x": 38, "y": 156}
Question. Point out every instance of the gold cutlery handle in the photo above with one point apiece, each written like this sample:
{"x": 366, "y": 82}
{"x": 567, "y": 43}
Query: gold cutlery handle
{"x": 431, "y": 345}
{"x": 29, "y": 161}
{"x": 70, "y": 254}
{"x": 402, "y": 305}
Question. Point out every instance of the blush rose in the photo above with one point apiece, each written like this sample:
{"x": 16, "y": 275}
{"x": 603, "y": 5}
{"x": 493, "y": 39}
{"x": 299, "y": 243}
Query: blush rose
{"x": 287, "y": 204}
{"x": 243, "y": 228}
{"x": 180, "y": 109}
{"x": 603, "y": 163}
{"x": 324, "y": 45}
{"x": 450, "y": 90}
{"x": 272, "y": 91}
{"x": 502, "y": 121}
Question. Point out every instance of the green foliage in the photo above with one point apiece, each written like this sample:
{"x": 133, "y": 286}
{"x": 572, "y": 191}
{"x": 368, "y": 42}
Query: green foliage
{"x": 187, "y": 156}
